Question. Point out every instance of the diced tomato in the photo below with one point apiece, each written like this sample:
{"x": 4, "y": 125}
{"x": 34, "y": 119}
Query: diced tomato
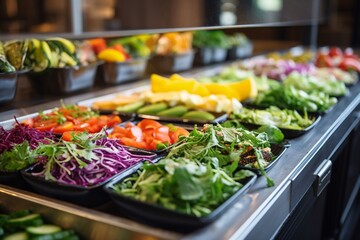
{"x": 67, "y": 126}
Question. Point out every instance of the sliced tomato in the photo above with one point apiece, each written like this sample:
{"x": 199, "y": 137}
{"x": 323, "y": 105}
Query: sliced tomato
{"x": 93, "y": 129}
{"x": 148, "y": 124}
{"x": 118, "y": 129}
{"x": 163, "y": 137}
{"x": 113, "y": 120}
{"x": 117, "y": 135}
{"x": 67, "y": 126}
{"x": 68, "y": 135}
{"x": 46, "y": 126}
{"x": 153, "y": 144}
{"x": 81, "y": 127}
{"x": 136, "y": 132}
{"x": 177, "y": 133}
{"x": 132, "y": 143}
{"x": 93, "y": 120}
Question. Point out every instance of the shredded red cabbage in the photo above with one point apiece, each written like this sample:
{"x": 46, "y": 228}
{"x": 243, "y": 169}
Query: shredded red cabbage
{"x": 109, "y": 159}
{"x": 21, "y": 133}
{"x": 276, "y": 69}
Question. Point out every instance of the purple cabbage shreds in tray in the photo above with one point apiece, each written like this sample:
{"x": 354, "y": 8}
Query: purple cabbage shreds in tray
{"x": 86, "y": 161}
{"x": 21, "y": 133}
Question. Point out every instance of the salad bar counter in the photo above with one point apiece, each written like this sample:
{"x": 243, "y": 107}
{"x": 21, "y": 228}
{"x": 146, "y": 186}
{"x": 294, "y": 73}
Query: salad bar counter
{"x": 197, "y": 164}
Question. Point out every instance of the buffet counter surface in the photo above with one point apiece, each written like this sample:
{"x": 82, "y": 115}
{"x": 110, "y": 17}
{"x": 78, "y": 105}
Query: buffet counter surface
{"x": 259, "y": 214}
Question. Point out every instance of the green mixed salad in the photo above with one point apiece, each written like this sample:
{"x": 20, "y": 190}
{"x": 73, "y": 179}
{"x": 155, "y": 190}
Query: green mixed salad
{"x": 309, "y": 83}
{"x": 183, "y": 185}
{"x": 292, "y": 98}
{"x": 282, "y": 118}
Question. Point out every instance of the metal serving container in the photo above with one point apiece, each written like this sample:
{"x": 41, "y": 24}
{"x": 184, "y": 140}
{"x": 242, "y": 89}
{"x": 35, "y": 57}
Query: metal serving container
{"x": 8, "y": 83}
{"x": 240, "y": 51}
{"x": 209, "y": 55}
{"x": 171, "y": 63}
{"x": 118, "y": 72}
{"x": 64, "y": 80}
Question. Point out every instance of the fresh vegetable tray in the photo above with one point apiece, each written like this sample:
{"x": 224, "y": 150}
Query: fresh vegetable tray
{"x": 169, "y": 219}
{"x": 139, "y": 133}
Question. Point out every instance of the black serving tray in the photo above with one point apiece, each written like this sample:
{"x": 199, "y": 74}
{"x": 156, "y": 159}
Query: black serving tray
{"x": 219, "y": 118}
{"x": 89, "y": 196}
{"x": 161, "y": 217}
{"x": 288, "y": 133}
{"x": 13, "y": 179}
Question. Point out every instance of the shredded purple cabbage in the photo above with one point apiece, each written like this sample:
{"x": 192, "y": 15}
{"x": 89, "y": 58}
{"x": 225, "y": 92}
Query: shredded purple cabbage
{"x": 111, "y": 158}
{"x": 21, "y": 133}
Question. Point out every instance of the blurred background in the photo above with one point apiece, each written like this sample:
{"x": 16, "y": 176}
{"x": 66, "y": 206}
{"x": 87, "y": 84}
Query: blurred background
{"x": 270, "y": 20}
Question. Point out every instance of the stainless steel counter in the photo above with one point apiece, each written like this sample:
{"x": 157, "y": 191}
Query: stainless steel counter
{"x": 262, "y": 211}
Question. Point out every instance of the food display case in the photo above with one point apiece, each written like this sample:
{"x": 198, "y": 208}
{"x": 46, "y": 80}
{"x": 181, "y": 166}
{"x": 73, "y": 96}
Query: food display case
{"x": 309, "y": 189}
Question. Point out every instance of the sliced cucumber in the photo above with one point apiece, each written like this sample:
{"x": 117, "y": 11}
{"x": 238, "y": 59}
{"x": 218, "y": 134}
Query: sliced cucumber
{"x": 26, "y": 221}
{"x": 43, "y": 230}
{"x": 17, "y": 236}
{"x": 66, "y": 234}
{"x": 131, "y": 107}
